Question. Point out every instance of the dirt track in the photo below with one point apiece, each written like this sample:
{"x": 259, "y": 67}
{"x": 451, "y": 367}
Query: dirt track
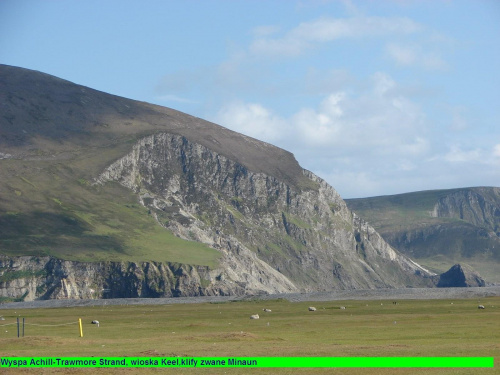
{"x": 371, "y": 294}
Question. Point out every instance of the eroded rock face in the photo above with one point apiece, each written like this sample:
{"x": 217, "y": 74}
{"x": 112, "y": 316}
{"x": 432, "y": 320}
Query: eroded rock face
{"x": 31, "y": 278}
{"x": 477, "y": 206}
{"x": 273, "y": 236}
{"x": 308, "y": 235}
{"x": 460, "y": 275}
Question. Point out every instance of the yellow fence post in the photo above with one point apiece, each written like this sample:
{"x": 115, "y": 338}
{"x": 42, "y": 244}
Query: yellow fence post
{"x": 81, "y": 329}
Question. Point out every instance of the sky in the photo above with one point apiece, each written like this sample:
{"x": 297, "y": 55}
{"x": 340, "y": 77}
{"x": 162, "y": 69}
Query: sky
{"x": 375, "y": 97}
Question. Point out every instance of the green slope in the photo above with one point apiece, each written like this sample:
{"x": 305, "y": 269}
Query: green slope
{"x": 49, "y": 209}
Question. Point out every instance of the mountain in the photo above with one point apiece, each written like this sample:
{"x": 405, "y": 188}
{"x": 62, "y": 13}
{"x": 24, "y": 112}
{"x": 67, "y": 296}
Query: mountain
{"x": 102, "y": 196}
{"x": 439, "y": 228}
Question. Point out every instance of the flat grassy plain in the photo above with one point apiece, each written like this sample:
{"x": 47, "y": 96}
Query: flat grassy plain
{"x": 364, "y": 328}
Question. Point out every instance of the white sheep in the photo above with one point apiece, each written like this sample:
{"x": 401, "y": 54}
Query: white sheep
{"x": 312, "y": 308}
{"x": 256, "y": 316}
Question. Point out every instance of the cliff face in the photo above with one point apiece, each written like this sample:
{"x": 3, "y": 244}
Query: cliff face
{"x": 306, "y": 238}
{"x": 477, "y": 206}
{"x": 30, "y": 278}
{"x": 65, "y": 149}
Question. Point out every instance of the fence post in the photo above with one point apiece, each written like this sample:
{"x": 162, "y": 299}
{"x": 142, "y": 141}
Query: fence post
{"x": 17, "y": 326}
{"x": 23, "y": 327}
{"x": 81, "y": 329}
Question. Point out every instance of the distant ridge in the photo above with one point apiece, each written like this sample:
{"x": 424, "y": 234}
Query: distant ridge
{"x": 439, "y": 228}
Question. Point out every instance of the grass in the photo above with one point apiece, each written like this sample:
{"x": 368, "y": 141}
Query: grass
{"x": 13, "y": 275}
{"x": 364, "y": 328}
{"x": 60, "y": 214}
{"x": 295, "y": 220}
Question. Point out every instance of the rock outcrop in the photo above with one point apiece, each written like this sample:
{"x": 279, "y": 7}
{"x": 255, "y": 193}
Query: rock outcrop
{"x": 308, "y": 235}
{"x": 460, "y": 275}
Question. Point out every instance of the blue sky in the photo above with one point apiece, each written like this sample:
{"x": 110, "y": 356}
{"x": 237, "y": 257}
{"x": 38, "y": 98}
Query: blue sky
{"x": 376, "y": 97}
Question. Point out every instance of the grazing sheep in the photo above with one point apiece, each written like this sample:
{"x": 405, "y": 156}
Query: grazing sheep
{"x": 312, "y": 308}
{"x": 266, "y": 310}
{"x": 481, "y": 307}
{"x": 256, "y": 316}
{"x": 342, "y": 307}
{"x": 95, "y": 322}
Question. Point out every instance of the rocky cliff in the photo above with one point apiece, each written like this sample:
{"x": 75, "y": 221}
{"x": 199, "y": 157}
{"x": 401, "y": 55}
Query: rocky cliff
{"x": 29, "y": 278}
{"x": 307, "y": 235}
{"x": 76, "y": 161}
{"x": 477, "y": 206}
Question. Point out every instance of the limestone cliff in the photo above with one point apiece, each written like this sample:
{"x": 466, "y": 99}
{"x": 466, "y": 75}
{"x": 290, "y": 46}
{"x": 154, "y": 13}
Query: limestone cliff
{"x": 307, "y": 235}
{"x": 30, "y": 278}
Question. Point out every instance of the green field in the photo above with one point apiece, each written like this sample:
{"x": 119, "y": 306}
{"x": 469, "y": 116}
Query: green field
{"x": 412, "y": 328}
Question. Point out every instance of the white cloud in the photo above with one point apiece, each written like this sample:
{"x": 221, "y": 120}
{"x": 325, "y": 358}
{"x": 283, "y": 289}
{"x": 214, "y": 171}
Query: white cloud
{"x": 382, "y": 83}
{"x": 377, "y": 125}
{"x": 323, "y": 30}
{"x": 458, "y": 118}
{"x": 457, "y": 155}
{"x": 379, "y": 120}
{"x": 252, "y": 119}
{"x": 496, "y": 151}
{"x": 315, "y": 128}
{"x": 265, "y": 30}
{"x": 375, "y": 141}
{"x": 403, "y": 55}
{"x": 415, "y": 55}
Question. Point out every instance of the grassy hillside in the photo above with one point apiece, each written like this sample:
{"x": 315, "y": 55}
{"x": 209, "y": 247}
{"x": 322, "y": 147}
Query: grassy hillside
{"x": 404, "y": 211}
{"x": 52, "y": 209}
{"x": 439, "y": 228}
{"x": 46, "y": 117}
